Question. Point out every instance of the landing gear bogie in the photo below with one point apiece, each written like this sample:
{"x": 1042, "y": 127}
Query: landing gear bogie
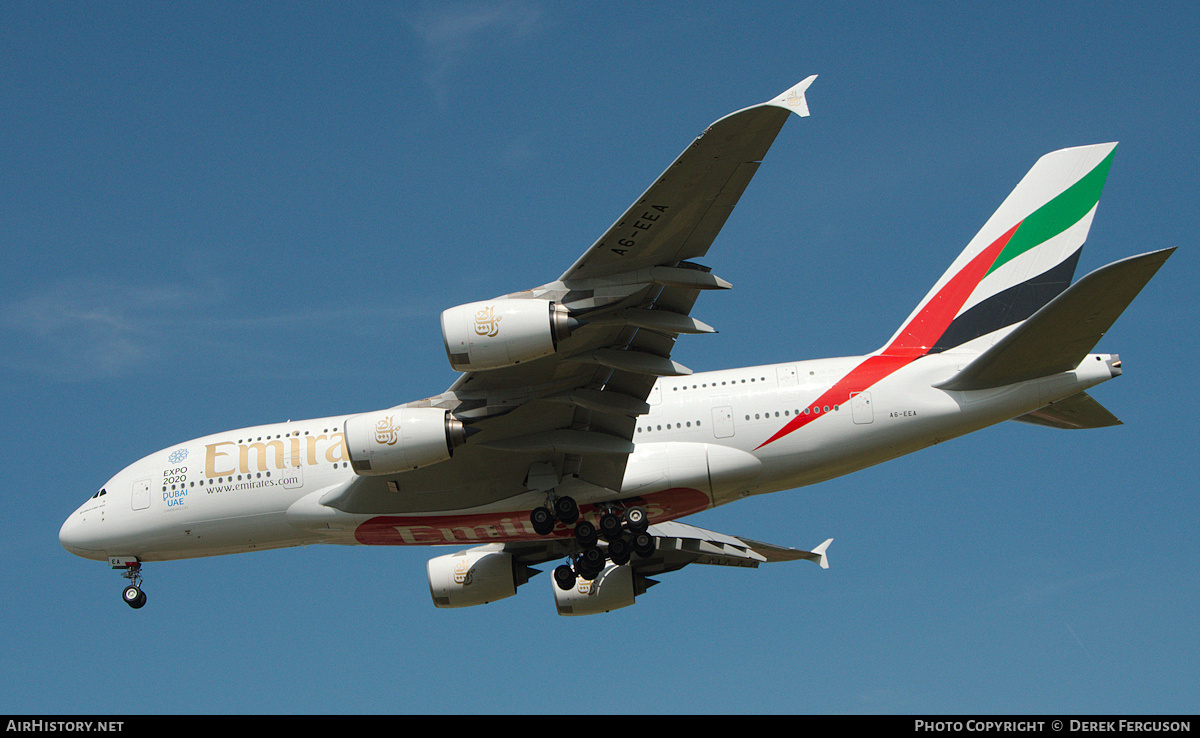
{"x": 590, "y": 563}
{"x": 556, "y": 510}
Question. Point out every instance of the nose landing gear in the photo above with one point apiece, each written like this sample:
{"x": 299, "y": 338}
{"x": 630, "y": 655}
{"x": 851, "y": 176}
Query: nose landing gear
{"x": 133, "y": 594}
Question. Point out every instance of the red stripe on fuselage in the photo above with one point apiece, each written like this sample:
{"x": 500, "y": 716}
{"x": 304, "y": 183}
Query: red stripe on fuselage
{"x": 432, "y": 530}
{"x": 913, "y": 342}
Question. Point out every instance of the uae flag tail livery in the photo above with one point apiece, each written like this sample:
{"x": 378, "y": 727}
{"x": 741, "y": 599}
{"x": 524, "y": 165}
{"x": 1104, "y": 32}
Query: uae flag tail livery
{"x": 1022, "y": 258}
{"x": 1007, "y": 301}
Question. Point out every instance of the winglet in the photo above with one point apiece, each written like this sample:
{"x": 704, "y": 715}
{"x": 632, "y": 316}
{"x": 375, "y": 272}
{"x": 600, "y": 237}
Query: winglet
{"x": 793, "y": 99}
{"x": 822, "y": 559}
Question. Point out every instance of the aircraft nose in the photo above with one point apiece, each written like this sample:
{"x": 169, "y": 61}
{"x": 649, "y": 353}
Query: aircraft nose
{"x": 68, "y": 534}
{"x": 74, "y": 538}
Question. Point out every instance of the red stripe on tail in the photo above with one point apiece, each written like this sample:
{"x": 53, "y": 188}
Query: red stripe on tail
{"x": 913, "y": 342}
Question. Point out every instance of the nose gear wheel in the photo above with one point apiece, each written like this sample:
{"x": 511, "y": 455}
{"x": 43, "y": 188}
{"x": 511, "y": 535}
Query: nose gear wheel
{"x": 133, "y": 594}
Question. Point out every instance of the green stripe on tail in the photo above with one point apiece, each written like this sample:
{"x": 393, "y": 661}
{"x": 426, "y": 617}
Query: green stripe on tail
{"x": 1058, "y": 215}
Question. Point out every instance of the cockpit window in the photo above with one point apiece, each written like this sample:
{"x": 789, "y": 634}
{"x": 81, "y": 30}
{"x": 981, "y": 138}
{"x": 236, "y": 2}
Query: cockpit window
{"x": 101, "y": 493}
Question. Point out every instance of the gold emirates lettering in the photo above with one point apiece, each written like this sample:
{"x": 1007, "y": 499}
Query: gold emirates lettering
{"x": 227, "y": 457}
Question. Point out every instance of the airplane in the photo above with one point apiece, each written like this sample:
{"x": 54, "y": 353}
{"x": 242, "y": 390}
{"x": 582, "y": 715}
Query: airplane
{"x": 571, "y": 434}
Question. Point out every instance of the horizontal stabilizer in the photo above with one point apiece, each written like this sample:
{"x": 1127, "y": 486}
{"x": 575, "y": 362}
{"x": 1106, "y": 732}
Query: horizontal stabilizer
{"x": 1074, "y": 412}
{"x": 1058, "y": 337}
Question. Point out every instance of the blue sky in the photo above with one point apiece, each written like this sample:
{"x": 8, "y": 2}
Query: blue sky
{"x": 222, "y": 214}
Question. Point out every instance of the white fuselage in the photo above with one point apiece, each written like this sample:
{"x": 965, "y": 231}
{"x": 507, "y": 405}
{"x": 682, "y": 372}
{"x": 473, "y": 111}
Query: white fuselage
{"x": 749, "y": 431}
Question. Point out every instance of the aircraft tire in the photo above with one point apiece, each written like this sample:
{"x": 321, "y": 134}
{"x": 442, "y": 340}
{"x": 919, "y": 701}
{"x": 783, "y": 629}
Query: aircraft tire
{"x": 620, "y": 549}
{"x": 588, "y": 572}
{"x": 566, "y": 510}
{"x": 643, "y": 544}
{"x": 610, "y": 526}
{"x": 635, "y": 518}
{"x": 585, "y": 534}
{"x": 564, "y": 577}
{"x": 542, "y": 519}
{"x": 592, "y": 559}
{"x": 134, "y": 597}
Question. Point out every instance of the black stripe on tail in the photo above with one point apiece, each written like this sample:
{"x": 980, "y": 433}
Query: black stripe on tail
{"x": 1010, "y": 306}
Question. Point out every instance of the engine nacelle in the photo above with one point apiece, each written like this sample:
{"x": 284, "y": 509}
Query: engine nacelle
{"x": 402, "y": 438}
{"x": 499, "y": 333}
{"x": 613, "y": 588}
{"x": 475, "y": 577}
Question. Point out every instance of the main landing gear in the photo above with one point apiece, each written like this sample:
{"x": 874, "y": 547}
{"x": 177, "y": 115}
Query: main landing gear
{"x": 623, "y": 532}
{"x": 133, "y": 594}
{"x": 560, "y": 509}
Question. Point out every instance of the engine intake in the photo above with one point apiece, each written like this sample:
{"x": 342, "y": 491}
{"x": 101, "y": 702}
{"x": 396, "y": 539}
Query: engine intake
{"x": 400, "y": 439}
{"x": 499, "y": 333}
{"x": 475, "y": 577}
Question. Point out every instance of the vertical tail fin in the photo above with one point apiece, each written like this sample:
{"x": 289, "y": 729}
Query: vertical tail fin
{"x": 1022, "y": 258}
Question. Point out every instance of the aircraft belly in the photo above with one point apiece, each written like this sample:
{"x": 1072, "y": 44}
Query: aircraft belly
{"x": 498, "y": 526}
{"x": 224, "y": 536}
{"x": 473, "y": 478}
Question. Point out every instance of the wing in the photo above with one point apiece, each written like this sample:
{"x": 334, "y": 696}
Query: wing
{"x": 676, "y": 546}
{"x": 565, "y": 421}
{"x": 679, "y": 545}
{"x": 678, "y": 217}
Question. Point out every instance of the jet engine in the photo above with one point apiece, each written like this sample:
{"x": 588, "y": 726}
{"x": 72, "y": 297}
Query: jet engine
{"x": 402, "y": 438}
{"x": 499, "y": 333}
{"x": 475, "y": 577}
{"x": 613, "y": 588}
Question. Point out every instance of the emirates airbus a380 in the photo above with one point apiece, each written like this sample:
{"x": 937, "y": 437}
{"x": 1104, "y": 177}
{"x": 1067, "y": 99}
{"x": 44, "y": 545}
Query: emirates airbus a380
{"x": 572, "y": 435}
